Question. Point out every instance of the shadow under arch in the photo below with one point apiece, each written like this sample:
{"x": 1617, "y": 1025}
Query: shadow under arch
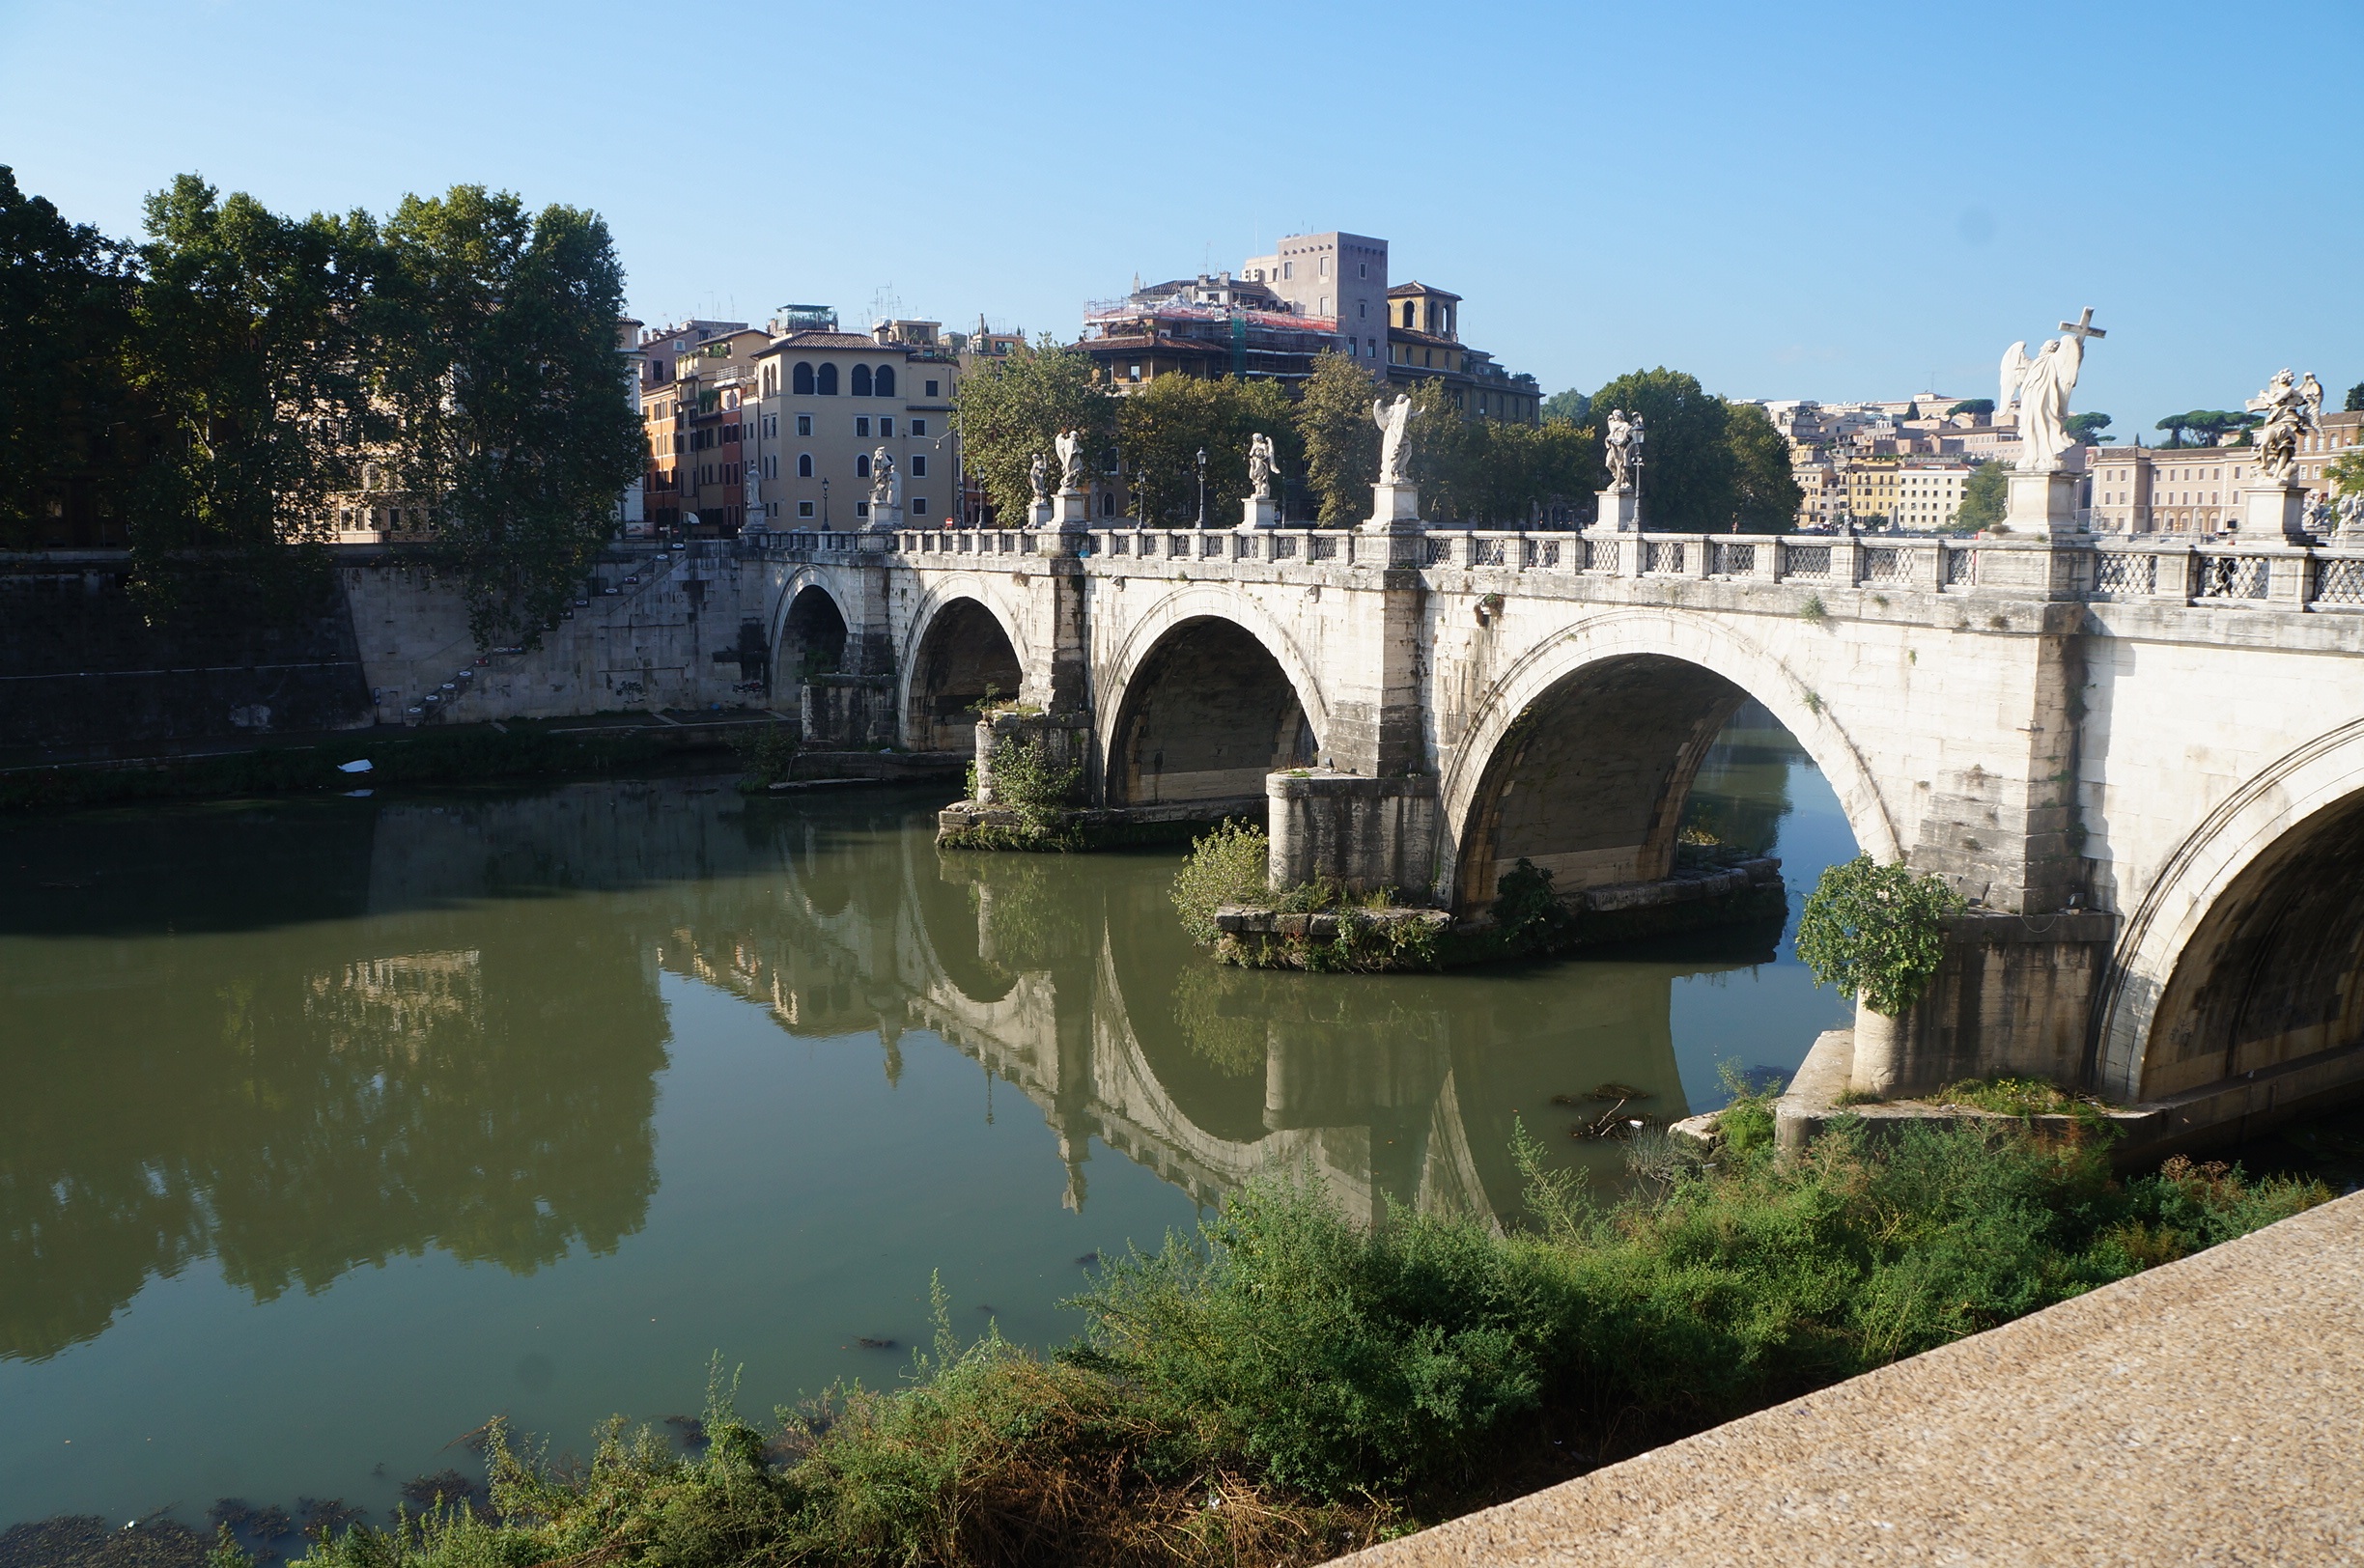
{"x": 1581, "y": 758}
{"x": 812, "y": 634}
{"x": 1204, "y": 713}
{"x": 2247, "y": 951}
{"x": 961, "y": 654}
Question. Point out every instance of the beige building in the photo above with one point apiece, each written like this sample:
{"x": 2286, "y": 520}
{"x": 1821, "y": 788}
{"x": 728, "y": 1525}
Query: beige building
{"x": 2196, "y": 490}
{"x": 1927, "y": 494}
{"x": 827, "y": 400}
{"x": 1335, "y": 278}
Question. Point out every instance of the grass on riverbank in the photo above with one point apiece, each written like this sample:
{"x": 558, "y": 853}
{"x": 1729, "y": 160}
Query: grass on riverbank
{"x": 1283, "y": 1387}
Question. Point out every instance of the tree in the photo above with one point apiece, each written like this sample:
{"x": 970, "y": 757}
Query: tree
{"x": 1339, "y": 440}
{"x": 2087, "y": 429}
{"x": 67, "y": 421}
{"x": 2356, "y": 399}
{"x": 2207, "y": 424}
{"x": 2346, "y": 472}
{"x": 1572, "y": 406}
{"x": 1687, "y": 479}
{"x": 1986, "y": 496}
{"x": 499, "y": 337}
{"x": 1011, "y": 409}
{"x": 1876, "y": 931}
{"x": 248, "y": 344}
{"x": 1162, "y": 429}
{"x": 1766, "y": 495}
{"x": 1977, "y": 407}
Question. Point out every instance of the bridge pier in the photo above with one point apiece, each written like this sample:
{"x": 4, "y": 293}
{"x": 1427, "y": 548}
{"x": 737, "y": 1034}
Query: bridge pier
{"x": 1364, "y": 833}
{"x": 2009, "y": 999}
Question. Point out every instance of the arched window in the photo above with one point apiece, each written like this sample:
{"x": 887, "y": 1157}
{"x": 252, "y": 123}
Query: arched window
{"x": 824, "y": 383}
{"x": 804, "y": 465}
{"x": 801, "y": 379}
{"x": 862, "y": 382}
{"x": 861, "y": 466}
{"x": 885, "y": 380}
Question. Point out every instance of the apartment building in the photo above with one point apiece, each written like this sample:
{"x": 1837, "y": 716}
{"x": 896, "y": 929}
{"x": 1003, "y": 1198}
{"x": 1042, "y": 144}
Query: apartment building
{"x": 827, "y": 401}
{"x": 2196, "y": 490}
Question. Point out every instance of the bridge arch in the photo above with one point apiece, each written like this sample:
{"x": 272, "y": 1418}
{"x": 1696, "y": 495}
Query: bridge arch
{"x": 1207, "y": 695}
{"x": 810, "y": 638}
{"x": 1533, "y": 777}
{"x": 2247, "y": 951}
{"x": 962, "y": 645}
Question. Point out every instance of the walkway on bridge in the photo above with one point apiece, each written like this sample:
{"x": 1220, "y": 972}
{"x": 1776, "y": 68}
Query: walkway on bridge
{"x": 2208, "y": 1410}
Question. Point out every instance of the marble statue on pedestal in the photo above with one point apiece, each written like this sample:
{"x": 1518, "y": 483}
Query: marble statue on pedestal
{"x": 1070, "y": 444}
{"x": 1619, "y": 448}
{"x": 886, "y": 485}
{"x": 1038, "y": 474}
{"x": 2290, "y": 410}
{"x": 2351, "y": 509}
{"x": 2041, "y": 384}
{"x": 1260, "y": 466}
{"x": 1392, "y": 416}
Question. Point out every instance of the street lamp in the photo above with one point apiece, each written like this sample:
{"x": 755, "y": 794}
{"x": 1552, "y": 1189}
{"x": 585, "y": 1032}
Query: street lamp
{"x": 1202, "y": 487}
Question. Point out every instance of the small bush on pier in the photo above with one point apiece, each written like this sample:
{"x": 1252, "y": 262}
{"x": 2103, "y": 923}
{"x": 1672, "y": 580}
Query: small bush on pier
{"x": 1227, "y": 865}
{"x": 1876, "y": 931}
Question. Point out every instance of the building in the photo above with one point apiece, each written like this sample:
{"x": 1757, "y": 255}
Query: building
{"x": 2196, "y": 490}
{"x": 827, "y": 401}
{"x": 1315, "y": 295}
{"x": 1927, "y": 494}
{"x": 696, "y": 428}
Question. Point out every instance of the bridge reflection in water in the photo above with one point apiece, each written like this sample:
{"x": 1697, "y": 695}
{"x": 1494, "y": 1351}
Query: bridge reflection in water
{"x": 338, "y": 1047}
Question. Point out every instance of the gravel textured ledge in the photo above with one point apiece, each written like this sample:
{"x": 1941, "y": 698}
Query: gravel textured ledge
{"x": 2211, "y": 1411}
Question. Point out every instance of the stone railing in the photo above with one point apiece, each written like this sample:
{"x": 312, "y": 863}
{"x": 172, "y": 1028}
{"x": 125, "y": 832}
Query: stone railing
{"x": 2107, "y": 568}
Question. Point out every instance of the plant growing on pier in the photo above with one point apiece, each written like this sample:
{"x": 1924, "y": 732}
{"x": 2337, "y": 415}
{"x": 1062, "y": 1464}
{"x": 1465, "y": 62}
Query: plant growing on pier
{"x": 1227, "y": 865}
{"x": 770, "y": 752}
{"x": 1876, "y": 931}
{"x": 1027, "y": 778}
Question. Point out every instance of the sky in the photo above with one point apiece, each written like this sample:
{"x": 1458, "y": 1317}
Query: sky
{"x": 1832, "y": 202}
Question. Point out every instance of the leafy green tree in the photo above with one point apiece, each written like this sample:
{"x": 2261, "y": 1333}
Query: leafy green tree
{"x": 1766, "y": 495}
{"x": 2347, "y": 472}
{"x": 1011, "y": 409}
{"x": 2088, "y": 428}
{"x": 1339, "y": 439}
{"x": 1162, "y": 429}
{"x": 1974, "y": 407}
{"x": 2207, "y": 424}
{"x": 1986, "y": 496}
{"x": 65, "y": 409}
{"x": 248, "y": 344}
{"x": 498, "y": 341}
{"x": 1687, "y": 479}
{"x": 1876, "y": 931}
{"x": 2356, "y": 399}
{"x": 1572, "y": 406}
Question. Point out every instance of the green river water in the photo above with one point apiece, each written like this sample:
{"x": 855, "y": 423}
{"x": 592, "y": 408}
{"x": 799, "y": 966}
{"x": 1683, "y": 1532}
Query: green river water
{"x": 330, "y": 1128}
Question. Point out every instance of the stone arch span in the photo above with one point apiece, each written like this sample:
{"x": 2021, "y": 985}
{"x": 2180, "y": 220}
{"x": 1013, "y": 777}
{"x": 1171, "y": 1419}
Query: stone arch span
{"x": 1582, "y": 755}
{"x": 962, "y": 646}
{"x": 810, "y": 637}
{"x": 1208, "y": 697}
{"x": 2247, "y": 951}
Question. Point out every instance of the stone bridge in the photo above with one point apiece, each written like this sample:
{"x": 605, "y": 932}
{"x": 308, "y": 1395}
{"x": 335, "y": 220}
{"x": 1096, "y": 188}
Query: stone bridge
{"x": 2141, "y": 763}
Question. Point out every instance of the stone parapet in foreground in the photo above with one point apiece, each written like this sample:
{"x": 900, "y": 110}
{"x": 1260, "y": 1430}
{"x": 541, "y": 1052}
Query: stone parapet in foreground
{"x": 2205, "y": 1411}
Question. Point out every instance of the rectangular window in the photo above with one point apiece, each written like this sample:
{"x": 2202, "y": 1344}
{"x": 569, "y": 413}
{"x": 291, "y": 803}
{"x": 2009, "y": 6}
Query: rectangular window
{"x": 919, "y": 426}
{"x": 804, "y": 424}
{"x": 1325, "y": 266}
{"x": 931, "y": 389}
{"x": 805, "y": 509}
{"x": 887, "y": 425}
{"x": 919, "y": 506}
{"x": 862, "y": 508}
{"x": 918, "y": 464}
{"x": 1362, "y": 269}
{"x": 861, "y": 425}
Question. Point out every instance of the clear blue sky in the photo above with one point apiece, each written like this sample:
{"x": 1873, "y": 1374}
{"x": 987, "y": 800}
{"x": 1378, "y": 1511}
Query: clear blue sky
{"x": 1787, "y": 200}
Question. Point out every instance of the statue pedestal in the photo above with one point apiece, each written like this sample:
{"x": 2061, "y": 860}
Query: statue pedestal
{"x": 882, "y": 520}
{"x": 1042, "y": 513}
{"x": 1394, "y": 510}
{"x": 1260, "y": 511}
{"x": 2272, "y": 514}
{"x": 2042, "y": 505}
{"x": 1620, "y": 511}
{"x": 1069, "y": 509}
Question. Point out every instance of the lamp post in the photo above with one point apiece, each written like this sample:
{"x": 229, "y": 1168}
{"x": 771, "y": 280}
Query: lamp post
{"x": 1202, "y": 487}
{"x": 825, "y": 520}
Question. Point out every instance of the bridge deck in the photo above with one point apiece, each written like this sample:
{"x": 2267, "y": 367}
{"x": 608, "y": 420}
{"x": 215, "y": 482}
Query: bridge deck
{"x": 2202, "y": 1412}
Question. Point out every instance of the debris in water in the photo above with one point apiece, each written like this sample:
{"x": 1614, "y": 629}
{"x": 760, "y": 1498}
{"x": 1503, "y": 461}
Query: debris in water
{"x": 359, "y": 765}
{"x": 868, "y": 1343}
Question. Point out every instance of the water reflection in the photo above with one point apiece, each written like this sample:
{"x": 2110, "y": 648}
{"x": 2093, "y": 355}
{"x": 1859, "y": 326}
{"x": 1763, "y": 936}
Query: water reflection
{"x": 304, "y": 1039}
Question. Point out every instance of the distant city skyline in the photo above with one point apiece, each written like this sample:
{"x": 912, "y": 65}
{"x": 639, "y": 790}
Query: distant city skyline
{"x": 1853, "y": 204}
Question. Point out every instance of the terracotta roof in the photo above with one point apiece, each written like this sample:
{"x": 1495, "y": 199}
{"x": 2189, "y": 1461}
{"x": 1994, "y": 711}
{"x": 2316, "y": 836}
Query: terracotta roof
{"x": 816, "y": 339}
{"x": 1415, "y": 287}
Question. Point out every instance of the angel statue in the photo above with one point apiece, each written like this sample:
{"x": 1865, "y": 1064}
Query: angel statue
{"x": 2041, "y": 384}
{"x": 2351, "y": 515}
{"x": 1038, "y": 474}
{"x": 1393, "y": 415}
{"x": 1260, "y": 465}
{"x": 1622, "y": 449}
{"x": 1070, "y": 444}
{"x": 2290, "y": 410}
{"x": 886, "y": 485}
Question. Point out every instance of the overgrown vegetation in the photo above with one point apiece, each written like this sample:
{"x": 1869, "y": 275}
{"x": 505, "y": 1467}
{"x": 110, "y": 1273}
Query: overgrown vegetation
{"x": 770, "y": 753}
{"x": 1876, "y": 931}
{"x": 1283, "y": 1385}
{"x": 1226, "y": 865}
{"x": 2016, "y": 1097}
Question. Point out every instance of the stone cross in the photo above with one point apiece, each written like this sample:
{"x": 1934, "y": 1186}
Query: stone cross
{"x": 2082, "y": 328}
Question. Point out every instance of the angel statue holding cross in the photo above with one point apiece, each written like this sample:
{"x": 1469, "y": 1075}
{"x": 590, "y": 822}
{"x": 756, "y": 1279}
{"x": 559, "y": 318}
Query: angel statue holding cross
{"x": 2041, "y": 384}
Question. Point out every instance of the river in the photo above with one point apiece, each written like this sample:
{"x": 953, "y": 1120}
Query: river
{"x": 330, "y": 1128}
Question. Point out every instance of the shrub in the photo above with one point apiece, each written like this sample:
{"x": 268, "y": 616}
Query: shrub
{"x": 770, "y": 753}
{"x": 1226, "y": 865}
{"x": 1527, "y": 910}
{"x": 1876, "y": 931}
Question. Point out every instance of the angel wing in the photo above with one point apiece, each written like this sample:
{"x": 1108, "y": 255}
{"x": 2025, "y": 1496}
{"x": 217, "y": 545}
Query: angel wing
{"x": 2016, "y": 363}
